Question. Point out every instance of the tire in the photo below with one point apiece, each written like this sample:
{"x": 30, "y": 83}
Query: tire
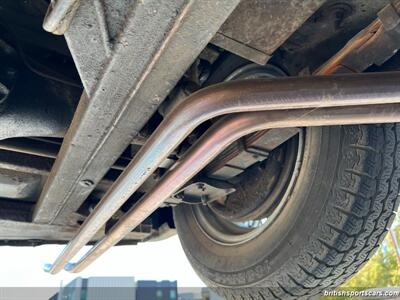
{"x": 338, "y": 212}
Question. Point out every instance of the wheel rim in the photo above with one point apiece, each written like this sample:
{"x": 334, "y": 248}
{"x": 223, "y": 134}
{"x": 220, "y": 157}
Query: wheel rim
{"x": 227, "y": 232}
{"x": 233, "y": 232}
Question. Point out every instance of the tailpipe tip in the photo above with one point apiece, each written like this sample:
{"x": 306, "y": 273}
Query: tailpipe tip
{"x": 47, "y": 267}
{"x": 69, "y": 267}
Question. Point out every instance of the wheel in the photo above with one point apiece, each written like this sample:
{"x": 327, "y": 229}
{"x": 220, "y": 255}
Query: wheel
{"x": 322, "y": 223}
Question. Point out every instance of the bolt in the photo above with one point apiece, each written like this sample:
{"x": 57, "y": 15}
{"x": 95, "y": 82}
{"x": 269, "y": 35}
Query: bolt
{"x": 201, "y": 186}
{"x": 87, "y": 183}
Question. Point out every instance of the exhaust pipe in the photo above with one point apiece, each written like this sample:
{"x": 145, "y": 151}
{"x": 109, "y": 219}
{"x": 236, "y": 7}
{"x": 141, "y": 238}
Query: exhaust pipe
{"x": 294, "y": 95}
{"x": 214, "y": 142}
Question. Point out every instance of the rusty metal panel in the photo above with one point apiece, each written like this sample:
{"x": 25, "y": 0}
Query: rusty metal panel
{"x": 374, "y": 45}
{"x": 17, "y": 230}
{"x": 256, "y": 28}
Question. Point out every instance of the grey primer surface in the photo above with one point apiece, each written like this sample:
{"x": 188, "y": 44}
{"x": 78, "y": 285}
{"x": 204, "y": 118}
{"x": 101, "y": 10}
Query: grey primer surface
{"x": 125, "y": 81}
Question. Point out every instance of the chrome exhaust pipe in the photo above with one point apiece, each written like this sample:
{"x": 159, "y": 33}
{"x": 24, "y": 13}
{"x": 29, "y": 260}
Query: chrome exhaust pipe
{"x": 294, "y": 95}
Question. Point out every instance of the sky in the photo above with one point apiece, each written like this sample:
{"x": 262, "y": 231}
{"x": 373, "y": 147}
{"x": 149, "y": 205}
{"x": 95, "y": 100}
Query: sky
{"x": 163, "y": 260}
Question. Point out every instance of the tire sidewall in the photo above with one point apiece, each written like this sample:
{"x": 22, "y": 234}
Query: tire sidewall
{"x": 248, "y": 263}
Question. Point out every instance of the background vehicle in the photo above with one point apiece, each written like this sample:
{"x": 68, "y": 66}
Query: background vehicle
{"x": 212, "y": 117}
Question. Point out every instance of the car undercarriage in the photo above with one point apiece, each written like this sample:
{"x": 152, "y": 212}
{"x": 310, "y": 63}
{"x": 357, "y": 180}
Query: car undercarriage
{"x": 127, "y": 121}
